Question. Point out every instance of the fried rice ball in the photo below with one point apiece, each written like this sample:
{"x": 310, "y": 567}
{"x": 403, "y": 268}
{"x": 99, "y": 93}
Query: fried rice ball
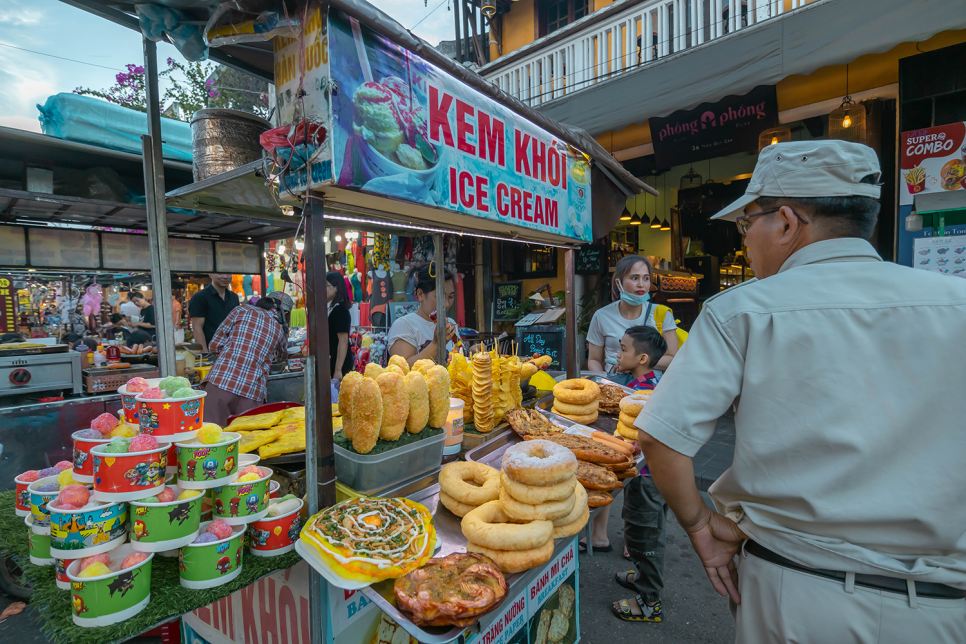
{"x": 418, "y": 402}
{"x": 400, "y": 362}
{"x": 395, "y": 405}
{"x": 438, "y": 382}
{"x": 373, "y": 369}
{"x": 349, "y": 383}
{"x": 366, "y": 415}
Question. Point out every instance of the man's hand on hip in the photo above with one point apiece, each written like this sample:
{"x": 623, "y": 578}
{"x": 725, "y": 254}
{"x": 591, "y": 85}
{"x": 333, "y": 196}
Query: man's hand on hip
{"x": 717, "y": 540}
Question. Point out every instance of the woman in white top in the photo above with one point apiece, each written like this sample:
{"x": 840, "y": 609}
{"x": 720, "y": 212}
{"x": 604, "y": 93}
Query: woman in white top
{"x": 631, "y": 289}
{"x": 413, "y": 336}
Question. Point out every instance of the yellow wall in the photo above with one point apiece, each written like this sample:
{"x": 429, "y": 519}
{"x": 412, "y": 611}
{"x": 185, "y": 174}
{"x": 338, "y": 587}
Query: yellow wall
{"x": 865, "y": 72}
{"x": 519, "y": 26}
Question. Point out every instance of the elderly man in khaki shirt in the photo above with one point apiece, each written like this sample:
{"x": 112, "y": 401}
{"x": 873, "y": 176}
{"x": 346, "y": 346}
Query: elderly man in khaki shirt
{"x": 846, "y": 501}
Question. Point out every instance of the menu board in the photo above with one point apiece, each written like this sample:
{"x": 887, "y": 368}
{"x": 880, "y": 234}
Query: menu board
{"x": 237, "y": 258}
{"x": 507, "y": 297}
{"x": 8, "y": 305}
{"x": 591, "y": 259}
{"x": 933, "y": 160}
{"x": 945, "y": 254}
{"x": 127, "y": 252}
{"x": 13, "y": 246}
{"x": 547, "y": 341}
{"x": 186, "y": 254}
{"x": 64, "y": 248}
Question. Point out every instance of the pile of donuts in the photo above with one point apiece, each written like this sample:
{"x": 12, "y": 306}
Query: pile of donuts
{"x": 534, "y": 500}
{"x": 630, "y": 406}
{"x": 381, "y": 403}
{"x": 577, "y": 399}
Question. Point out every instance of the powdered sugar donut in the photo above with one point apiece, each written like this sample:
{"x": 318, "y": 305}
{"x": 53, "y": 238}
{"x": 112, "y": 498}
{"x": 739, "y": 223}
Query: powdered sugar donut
{"x": 539, "y": 462}
{"x": 633, "y": 404}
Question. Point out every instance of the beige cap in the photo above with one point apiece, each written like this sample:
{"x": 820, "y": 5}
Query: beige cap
{"x": 810, "y": 169}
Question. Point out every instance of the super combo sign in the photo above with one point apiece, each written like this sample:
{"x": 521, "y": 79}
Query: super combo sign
{"x": 933, "y": 160}
{"x": 405, "y": 128}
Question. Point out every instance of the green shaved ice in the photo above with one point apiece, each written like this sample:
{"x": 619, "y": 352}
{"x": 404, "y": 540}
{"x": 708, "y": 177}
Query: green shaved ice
{"x": 172, "y": 384}
{"x": 184, "y": 392}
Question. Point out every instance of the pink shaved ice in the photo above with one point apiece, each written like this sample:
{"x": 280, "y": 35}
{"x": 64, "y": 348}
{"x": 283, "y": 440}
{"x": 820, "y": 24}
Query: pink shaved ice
{"x": 153, "y": 394}
{"x": 104, "y": 558}
{"x": 250, "y": 469}
{"x": 105, "y": 423}
{"x": 64, "y": 465}
{"x": 166, "y": 495}
{"x": 143, "y": 443}
{"x": 75, "y": 495}
{"x": 132, "y": 560}
{"x": 219, "y": 528}
{"x": 137, "y": 385}
{"x": 67, "y": 506}
{"x": 29, "y": 476}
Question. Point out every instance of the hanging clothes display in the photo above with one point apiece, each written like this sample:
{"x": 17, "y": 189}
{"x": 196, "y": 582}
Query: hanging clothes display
{"x": 247, "y": 286}
{"x": 356, "y": 287}
{"x": 350, "y": 259}
{"x": 348, "y": 289}
{"x": 380, "y": 251}
{"x": 399, "y": 286}
{"x": 378, "y": 303}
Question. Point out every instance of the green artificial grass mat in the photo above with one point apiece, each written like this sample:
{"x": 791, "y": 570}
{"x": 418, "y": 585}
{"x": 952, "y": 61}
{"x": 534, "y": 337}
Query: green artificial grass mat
{"x": 384, "y": 446}
{"x": 168, "y": 598}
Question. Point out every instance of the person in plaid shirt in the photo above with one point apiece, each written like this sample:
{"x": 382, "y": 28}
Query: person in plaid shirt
{"x": 247, "y": 342}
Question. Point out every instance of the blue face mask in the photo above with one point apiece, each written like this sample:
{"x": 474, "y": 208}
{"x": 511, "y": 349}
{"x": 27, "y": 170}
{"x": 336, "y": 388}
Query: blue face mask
{"x": 633, "y": 298}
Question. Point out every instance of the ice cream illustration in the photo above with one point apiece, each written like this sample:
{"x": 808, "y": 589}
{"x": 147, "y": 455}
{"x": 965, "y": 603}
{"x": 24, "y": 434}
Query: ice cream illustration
{"x": 388, "y": 119}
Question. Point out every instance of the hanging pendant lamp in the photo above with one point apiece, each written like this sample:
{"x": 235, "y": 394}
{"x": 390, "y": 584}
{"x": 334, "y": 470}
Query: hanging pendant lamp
{"x": 847, "y": 122}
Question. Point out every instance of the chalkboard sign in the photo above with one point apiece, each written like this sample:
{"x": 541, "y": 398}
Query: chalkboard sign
{"x": 545, "y": 340}
{"x": 591, "y": 259}
{"x": 507, "y": 297}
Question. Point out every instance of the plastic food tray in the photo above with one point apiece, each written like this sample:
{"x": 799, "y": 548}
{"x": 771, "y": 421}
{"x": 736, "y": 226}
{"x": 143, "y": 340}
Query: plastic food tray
{"x": 369, "y": 473}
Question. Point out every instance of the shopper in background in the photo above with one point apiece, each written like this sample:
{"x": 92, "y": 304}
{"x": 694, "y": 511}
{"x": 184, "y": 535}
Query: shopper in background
{"x": 844, "y": 504}
{"x": 413, "y": 336}
{"x": 247, "y": 343}
{"x": 130, "y": 308}
{"x": 340, "y": 363}
{"x": 209, "y": 307}
{"x": 176, "y": 311}
{"x": 147, "y": 320}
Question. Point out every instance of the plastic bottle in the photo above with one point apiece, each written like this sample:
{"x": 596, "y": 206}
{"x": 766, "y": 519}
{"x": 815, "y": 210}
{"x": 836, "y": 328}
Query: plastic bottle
{"x": 113, "y": 353}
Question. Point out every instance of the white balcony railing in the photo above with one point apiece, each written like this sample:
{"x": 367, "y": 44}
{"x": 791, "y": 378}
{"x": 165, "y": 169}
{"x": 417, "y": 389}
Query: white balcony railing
{"x": 578, "y": 57}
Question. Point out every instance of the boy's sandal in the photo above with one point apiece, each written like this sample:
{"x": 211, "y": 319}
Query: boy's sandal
{"x": 624, "y": 579}
{"x": 582, "y": 547}
{"x": 626, "y": 610}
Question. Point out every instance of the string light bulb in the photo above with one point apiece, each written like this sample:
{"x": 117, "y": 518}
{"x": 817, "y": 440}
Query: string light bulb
{"x": 299, "y": 245}
{"x": 847, "y": 121}
{"x": 281, "y": 249}
{"x": 338, "y": 238}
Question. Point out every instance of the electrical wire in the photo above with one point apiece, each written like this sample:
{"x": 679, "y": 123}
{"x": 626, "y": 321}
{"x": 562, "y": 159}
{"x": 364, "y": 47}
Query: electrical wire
{"x": 69, "y": 60}
{"x": 428, "y": 15}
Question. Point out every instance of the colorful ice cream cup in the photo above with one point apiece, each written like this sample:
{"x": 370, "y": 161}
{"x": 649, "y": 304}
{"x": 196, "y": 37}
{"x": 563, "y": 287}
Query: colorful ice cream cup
{"x": 173, "y": 419}
{"x": 111, "y": 598}
{"x": 244, "y": 460}
{"x": 273, "y": 487}
{"x": 83, "y": 471}
{"x": 206, "y": 565}
{"x": 60, "y": 573}
{"x": 239, "y": 503}
{"x": 129, "y": 405}
{"x": 172, "y": 467}
{"x": 21, "y": 501}
{"x": 202, "y": 466}
{"x": 273, "y": 536}
{"x": 38, "y": 543}
{"x": 128, "y": 476}
{"x": 156, "y": 527}
{"x": 39, "y": 501}
{"x": 207, "y": 507}
{"x": 76, "y": 534}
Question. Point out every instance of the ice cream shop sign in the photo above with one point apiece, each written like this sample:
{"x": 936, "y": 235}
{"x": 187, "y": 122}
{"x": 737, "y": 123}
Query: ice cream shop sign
{"x": 404, "y": 128}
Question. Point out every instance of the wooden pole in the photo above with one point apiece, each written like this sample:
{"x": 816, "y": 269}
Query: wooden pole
{"x": 442, "y": 356}
{"x": 570, "y": 303}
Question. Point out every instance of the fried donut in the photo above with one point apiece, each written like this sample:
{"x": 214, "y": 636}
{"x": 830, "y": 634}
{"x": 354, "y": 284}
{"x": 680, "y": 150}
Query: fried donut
{"x": 373, "y": 369}
{"x": 366, "y": 415}
{"x": 570, "y": 529}
{"x": 454, "y": 506}
{"x": 576, "y": 410}
{"x": 513, "y": 561}
{"x": 626, "y": 418}
{"x": 395, "y": 405}
{"x": 536, "y": 494}
{"x": 633, "y": 404}
{"x": 580, "y": 504}
{"x": 577, "y": 391}
{"x": 400, "y": 362}
{"x": 418, "y": 402}
{"x": 583, "y": 420}
{"x": 630, "y": 433}
{"x": 437, "y": 380}
{"x": 488, "y": 526}
{"x": 349, "y": 383}
{"x": 470, "y": 483}
{"x": 543, "y": 512}
{"x": 423, "y": 366}
{"x": 539, "y": 462}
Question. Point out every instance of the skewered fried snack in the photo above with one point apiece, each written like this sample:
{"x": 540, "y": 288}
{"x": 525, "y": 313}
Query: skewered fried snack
{"x": 395, "y": 405}
{"x": 454, "y": 590}
{"x": 587, "y": 449}
{"x": 349, "y": 383}
{"x": 366, "y": 415}
{"x": 373, "y": 369}
{"x": 437, "y": 381}
{"x": 482, "y": 392}
{"x": 418, "y": 392}
{"x": 400, "y": 362}
{"x": 423, "y": 365}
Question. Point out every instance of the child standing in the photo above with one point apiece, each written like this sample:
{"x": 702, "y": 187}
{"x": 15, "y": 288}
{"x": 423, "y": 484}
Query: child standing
{"x": 645, "y": 512}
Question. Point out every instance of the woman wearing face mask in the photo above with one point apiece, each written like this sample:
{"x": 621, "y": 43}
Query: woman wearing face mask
{"x": 413, "y": 336}
{"x": 632, "y": 307}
